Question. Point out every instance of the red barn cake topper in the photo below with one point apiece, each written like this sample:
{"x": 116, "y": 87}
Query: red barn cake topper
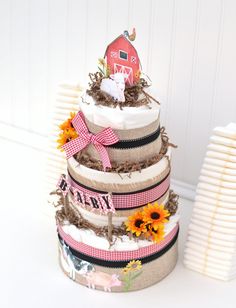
{"x": 122, "y": 57}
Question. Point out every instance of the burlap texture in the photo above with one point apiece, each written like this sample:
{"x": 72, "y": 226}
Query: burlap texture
{"x": 118, "y": 213}
{"x": 127, "y": 134}
{"x": 152, "y": 272}
{"x": 118, "y": 188}
{"x": 135, "y": 155}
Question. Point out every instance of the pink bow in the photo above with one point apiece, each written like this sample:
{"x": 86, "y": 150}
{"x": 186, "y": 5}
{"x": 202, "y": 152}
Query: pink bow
{"x": 100, "y": 140}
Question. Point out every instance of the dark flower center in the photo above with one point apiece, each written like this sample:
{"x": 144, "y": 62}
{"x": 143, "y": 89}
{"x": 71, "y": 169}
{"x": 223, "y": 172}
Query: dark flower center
{"x": 138, "y": 223}
{"x": 155, "y": 215}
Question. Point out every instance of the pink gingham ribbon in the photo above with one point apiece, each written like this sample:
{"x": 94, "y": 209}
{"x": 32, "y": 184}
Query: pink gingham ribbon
{"x": 100, "y": 140}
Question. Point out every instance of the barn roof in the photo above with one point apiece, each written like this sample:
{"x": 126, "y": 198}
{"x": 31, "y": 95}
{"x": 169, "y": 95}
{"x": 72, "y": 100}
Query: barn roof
{"x": 122, "y": 35}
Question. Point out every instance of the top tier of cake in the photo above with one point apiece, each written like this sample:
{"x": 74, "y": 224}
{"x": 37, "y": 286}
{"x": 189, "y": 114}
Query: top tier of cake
{"x": 118, "y": 97}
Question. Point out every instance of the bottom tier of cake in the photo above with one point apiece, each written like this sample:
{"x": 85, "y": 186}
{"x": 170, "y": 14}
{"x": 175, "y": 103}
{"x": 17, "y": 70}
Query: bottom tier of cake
{"x": 126, "y": 266}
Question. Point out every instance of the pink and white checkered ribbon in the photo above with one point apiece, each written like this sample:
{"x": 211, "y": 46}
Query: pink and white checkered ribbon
{"x": 100, "y": 140}
{"x": 121, "y": 201}
{"x": 115, "y": 255}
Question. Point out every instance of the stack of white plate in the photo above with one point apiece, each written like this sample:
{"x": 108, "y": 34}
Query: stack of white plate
{"x": 211, "y": 243}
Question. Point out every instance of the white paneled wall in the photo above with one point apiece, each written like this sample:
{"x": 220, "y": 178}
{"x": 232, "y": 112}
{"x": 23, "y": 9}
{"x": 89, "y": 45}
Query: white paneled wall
{"x": 187, "y": 47}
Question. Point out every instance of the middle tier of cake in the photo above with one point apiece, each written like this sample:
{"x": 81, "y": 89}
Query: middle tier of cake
{"x": 138, "y": 130}
{"x": 129, "y": 191}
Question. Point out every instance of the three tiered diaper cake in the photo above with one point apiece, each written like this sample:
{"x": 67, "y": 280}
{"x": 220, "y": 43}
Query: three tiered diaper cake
{"x": 117, "y": 220}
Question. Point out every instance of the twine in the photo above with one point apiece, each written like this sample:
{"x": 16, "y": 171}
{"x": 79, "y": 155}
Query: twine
{"x": 173, "y": 202}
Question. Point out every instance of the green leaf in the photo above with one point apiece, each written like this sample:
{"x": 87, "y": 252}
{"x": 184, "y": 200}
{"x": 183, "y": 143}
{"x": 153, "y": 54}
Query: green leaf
{"x": 101, "y": 70}
{"x": 127, "y": 286}
{"x": 136, "y": 275}
{"x": 126, "y": 278}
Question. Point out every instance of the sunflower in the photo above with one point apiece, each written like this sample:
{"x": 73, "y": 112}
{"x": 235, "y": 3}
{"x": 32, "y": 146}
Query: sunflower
{"x": 156, "y": 235}
{"x": 134, "y": 265}
{"x": 125, "y": 270}
{"x": 65, "y": 125}
{"x": 136, "y": 224}
{"x": 155, "y": 214}
{"x": 68, "y": 123}
{"x": 61, "y": 140}
{"x": 66, "y": 136}
{"x": 67, "y": 132}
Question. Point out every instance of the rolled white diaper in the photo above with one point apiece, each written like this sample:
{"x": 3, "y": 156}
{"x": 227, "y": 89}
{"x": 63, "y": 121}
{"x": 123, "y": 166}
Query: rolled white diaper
{"x": 209, "y": 191}
{"x": 212, "y": 252}
{"x": 204, "y": 262}
{"x": 219, "y": 190}
{"x": 208, "y": 237}
{"x": 228, "y": 131}
{"x": 211, "y": 226}
{"x": 228, "y": 207}
{"x": 220, "y": 174}
{"x": 225, "y": 276}
{"x": 213, "y": 259}
{"x": 212, "y": 211}
{"x": 223, "y": 140}
{"x": 217, "y": 182}
{"x": 222, "y": 156}
{"x": 220, "y": 163}
{"x": 221, "y": 148}
{"x": 214, "y": 234}
{"x": 208, "y": 244}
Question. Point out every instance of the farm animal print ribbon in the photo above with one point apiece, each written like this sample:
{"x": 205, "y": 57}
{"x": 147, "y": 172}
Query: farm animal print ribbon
{"x": 100, "y": 140}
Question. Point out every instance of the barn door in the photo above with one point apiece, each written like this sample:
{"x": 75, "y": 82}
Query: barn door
{"x": 126, "y": 71}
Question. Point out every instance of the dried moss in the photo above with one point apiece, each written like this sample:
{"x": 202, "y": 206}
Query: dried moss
{"x": 127, "y": 166}
{"x": 135, "y": 95}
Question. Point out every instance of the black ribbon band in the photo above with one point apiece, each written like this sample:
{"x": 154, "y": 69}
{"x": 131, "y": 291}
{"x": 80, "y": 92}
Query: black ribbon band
{"x": 123, "y": 263}
{"x": 120, "y": 193}
{"x": 135, "y": 143}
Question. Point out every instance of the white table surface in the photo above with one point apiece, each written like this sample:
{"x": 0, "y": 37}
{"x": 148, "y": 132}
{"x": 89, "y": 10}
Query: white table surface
{"x": 30, "y": 275}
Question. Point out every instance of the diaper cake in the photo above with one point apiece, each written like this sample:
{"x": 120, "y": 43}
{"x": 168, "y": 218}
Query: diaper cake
{"x": 117, "y": 219}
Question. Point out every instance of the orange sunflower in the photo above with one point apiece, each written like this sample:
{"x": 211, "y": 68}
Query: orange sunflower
{"x": 156, "y": 235}
{"x": 155, "y": 215}
{"x": 67, "y": 133}
{"x": 136, "y": 224}
{"x": 132, "y": 266}
{"x": 66, "y": 136}
{"x": 68, "y": 123}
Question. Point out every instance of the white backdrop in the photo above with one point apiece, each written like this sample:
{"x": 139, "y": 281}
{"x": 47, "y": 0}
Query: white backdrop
{"x": 187, "y": 47}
